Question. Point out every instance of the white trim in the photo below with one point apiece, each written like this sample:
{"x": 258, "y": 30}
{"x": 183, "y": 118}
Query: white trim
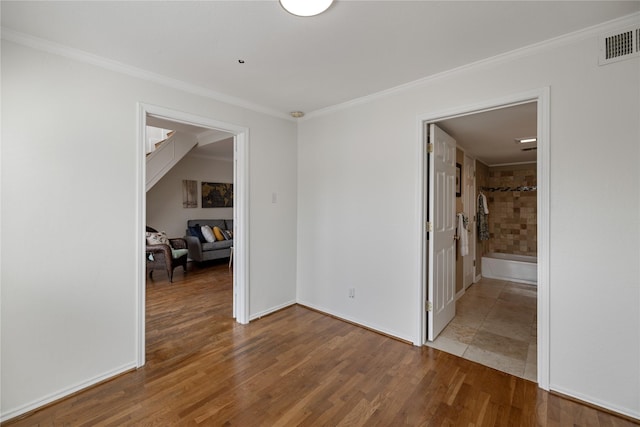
{"x": 533, "y": 49}
{"x": 597, "y": 402}
{"x": 422, "y": 246}
{"x": 544, "y": 236}
{"x": 240, "y": 212}
{"x": 241, "y": 256}
{"x": 272, "y": 310}
{"x": 119, "y": 67}
{"x": 357, "y": 321}
{"x": 541, "y": 96}
{"x": 141, "y": 220}
{"x": 61, "y": 394}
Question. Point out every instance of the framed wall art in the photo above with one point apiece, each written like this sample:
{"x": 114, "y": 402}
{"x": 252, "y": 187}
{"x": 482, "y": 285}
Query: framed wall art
{"x": 189, "y": 193}
{"x": 217, "y": 195}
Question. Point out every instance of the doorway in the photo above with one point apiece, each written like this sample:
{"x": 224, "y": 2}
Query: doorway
{"x": 538, "y": 98}
{"x": 240, "y": 214}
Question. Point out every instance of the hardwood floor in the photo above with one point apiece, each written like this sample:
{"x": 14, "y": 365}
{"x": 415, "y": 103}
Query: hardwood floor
{"x": 296, "y": 367}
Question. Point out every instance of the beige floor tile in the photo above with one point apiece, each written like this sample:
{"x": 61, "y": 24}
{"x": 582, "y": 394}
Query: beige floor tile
{"x": 495, "y": 325}
{"x": 530, "y": 372}
{"x": 521, "y": 289}
{"x": 515, "y": 330}
{"x": 449, "y": 345}
{"x": 525, "y": 301}
{"x": 509, "y": 313}
{"x": 495, "y": 361}
{"x": 459, "y": 331}
{"x": 489, "y": 290}
{"x": 474, "y": 310}
{"x": 534, "y": 331}
{"x": 532, "y": 353}
{"x": 497, "y": 344}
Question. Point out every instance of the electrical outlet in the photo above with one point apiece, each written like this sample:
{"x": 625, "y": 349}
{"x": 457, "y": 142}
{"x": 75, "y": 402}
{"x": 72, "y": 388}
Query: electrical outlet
{"x": 352, "y": 292}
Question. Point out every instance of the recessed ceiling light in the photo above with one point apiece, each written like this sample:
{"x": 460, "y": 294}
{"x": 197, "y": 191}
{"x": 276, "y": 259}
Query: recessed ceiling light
{"x": 526, "y": 140}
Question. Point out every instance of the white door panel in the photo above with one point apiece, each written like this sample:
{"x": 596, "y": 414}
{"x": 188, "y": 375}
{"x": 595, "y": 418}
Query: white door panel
{"x": 441, "y": 208}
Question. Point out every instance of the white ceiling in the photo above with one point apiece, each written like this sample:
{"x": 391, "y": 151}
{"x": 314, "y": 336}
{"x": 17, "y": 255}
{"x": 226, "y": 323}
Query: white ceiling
{"x": 291, "y": 63}
{"x": 490, "y": 136}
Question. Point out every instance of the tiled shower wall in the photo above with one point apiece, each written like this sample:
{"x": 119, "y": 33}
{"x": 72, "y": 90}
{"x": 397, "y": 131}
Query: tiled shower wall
{"x": 513, "y": 218}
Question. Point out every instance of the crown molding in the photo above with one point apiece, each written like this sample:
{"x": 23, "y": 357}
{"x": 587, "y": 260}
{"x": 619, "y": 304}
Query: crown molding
{"x": 122, "y": 68}
{"x": 82, "y": 56}
{"x": 529, "y": 50}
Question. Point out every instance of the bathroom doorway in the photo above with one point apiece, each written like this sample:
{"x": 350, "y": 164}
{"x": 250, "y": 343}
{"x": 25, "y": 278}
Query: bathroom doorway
{"x": 489, "y": 139}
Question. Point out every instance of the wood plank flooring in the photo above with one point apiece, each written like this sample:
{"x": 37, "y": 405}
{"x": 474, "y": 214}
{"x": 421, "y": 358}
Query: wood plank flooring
{"x": 296, "y": 367}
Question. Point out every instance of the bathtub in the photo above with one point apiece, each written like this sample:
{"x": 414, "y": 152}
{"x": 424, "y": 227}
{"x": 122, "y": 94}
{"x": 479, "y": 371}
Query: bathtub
{"x": 515, "y": 268}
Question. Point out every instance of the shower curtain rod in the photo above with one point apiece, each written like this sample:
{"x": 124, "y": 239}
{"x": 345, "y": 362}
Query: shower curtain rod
{"x": 531, "y": 188}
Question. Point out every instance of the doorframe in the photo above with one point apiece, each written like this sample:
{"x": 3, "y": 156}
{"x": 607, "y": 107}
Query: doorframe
{"x": 240, "y": 214}
{"x": 542, "y": 97}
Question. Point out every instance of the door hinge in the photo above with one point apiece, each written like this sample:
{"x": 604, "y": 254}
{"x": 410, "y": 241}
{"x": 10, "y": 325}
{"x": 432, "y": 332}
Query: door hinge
{"x": 428, "y": 306}
{"x": 474, "y": 262}
{"x": 430, "y": 147}
{"x": 429, "y": 226}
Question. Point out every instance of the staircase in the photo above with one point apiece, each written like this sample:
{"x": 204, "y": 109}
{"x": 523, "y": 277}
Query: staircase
{"x": 166, "y": 155}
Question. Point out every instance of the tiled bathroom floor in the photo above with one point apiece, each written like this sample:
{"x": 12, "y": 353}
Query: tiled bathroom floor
{"x": 495, "y": 325}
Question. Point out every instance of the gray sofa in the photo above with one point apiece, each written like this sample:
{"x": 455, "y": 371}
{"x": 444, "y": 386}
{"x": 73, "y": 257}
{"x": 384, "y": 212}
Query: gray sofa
{"x": 204, "y": 251}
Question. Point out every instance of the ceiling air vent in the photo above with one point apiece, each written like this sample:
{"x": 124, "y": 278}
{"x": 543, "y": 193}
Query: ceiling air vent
{"x": 619, "y": 45}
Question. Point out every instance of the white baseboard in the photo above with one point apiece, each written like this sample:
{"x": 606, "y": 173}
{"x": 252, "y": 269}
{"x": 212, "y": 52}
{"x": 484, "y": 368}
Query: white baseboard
{"x": 360, "y": 322}
{"x": 635, "y": 414}
{"x": 12, "y": 413}
{"x": 478, "y": 278}
{"x": 270, "y": 310}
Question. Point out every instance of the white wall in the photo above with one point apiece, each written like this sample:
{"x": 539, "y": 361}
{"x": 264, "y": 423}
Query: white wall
{"x": 69, "y": 216}
{"x": 358, "y": 209}
{"x": 164, "y": 200}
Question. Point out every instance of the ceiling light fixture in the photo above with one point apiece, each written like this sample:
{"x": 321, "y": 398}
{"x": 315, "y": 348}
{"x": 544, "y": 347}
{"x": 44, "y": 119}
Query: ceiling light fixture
{"x": 525, "y": 140}
{"x": 297, "y": 114}
{"x": 305, "y": 7}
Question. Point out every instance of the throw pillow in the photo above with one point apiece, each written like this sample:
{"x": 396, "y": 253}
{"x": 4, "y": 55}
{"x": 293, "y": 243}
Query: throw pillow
{"x": 208, "y": 233}
{"x": 218, "y": 233}
{"x": 159, "y": 238}
{"x": 195, "y": 231}
{"x": 227, "y": 234}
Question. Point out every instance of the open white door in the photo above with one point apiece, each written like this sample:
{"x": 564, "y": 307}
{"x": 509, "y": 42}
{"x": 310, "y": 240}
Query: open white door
{"x": 441, "y": 277}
